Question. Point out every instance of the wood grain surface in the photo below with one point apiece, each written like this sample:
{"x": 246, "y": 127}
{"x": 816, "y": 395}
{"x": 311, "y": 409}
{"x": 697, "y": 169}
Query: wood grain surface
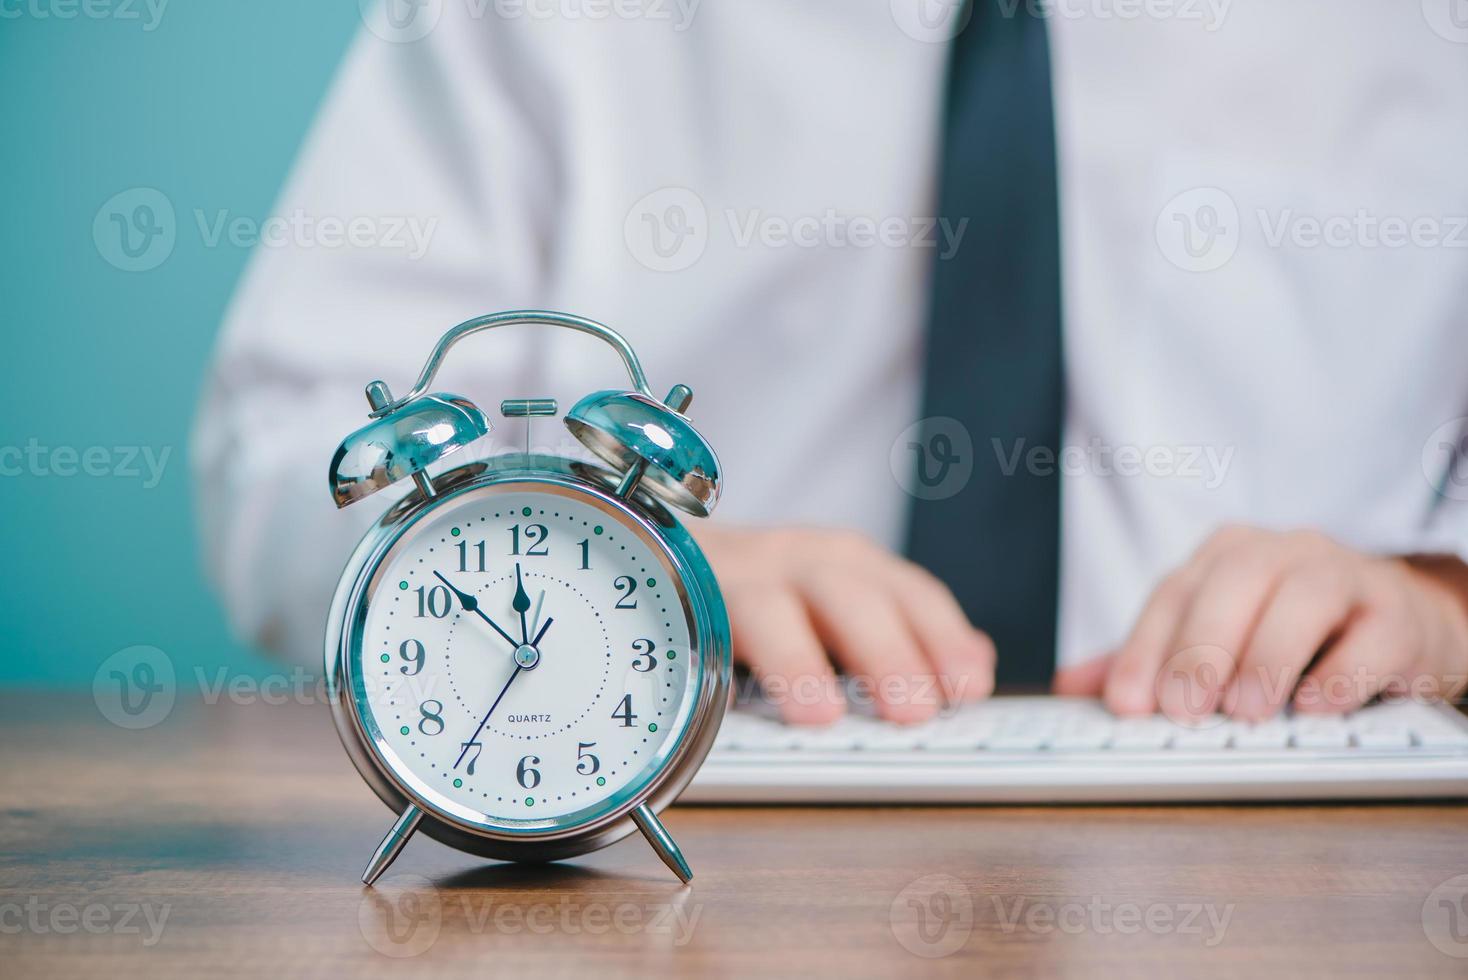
{"x": 228, "y": 839}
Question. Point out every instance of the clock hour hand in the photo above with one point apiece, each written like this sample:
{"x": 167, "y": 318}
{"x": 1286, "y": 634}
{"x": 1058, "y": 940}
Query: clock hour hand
{"x": 471, "y": 604}
{"x": 521, "y": 605}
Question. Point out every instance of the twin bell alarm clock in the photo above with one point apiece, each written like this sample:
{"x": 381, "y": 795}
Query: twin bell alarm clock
{"x": 528, "y": 657}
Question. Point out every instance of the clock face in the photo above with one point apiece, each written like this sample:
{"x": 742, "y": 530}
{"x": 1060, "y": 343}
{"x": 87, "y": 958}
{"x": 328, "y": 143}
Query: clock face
{"x": 527, "y": 655}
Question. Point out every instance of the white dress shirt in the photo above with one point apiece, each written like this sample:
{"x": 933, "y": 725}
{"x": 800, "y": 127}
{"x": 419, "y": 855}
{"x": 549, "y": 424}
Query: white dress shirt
{"x": 1264, "y": 246}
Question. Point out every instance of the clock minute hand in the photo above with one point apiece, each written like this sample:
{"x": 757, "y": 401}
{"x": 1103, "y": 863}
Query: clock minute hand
{"x": 519, "y": 669}
{"x": 471, "y": 604}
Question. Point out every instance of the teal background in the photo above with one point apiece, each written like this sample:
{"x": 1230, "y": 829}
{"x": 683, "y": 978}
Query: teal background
{"x": 209, "y": 108}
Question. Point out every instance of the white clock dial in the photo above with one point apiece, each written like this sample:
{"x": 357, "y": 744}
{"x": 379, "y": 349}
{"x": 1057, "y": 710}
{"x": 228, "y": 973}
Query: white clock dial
{"x": 556, "y": 715}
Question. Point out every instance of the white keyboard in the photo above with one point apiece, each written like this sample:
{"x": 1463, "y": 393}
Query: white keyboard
{"x": 1034, "y": 750}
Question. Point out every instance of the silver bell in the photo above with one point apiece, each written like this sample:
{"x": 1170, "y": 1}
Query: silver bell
{"x": 403, "y": 443}
{"x": 633, "y": 432}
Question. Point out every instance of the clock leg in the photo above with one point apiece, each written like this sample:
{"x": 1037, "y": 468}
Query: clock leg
{"x": 388, "y": 850}
{"x": 657, "y": 835}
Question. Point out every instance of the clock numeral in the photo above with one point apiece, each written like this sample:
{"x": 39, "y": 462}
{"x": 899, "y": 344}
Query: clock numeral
{"x": 526, "y": 772}
{"x": 644, "y": 649}
{"x": 479, "y": 553}
{"x": 535, "y": 535}
{"x": 435, "y": 602}
{"x": 432, "y": 711}
{"x": 626, "y": 585}
{"x": 478, "y": 747}
{"x": 623, "y": 713}
{"x": 585, "y": 545}
{"x": 583, "y": 758}
{"x": 414, "y": 653}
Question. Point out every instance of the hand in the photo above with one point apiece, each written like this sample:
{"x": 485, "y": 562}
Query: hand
{"x": 794, "y": 595}
{"x": 520, "y": 667}
{"x": 471, "y": 604}
{"x": 1239, "y": 626}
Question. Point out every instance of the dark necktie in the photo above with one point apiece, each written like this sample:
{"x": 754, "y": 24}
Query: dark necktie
{"x": 994, "y": 348}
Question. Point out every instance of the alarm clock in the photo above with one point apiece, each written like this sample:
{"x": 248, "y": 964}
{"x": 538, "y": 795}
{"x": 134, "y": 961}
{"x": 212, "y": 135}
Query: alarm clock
{"x": 527, "y": 657}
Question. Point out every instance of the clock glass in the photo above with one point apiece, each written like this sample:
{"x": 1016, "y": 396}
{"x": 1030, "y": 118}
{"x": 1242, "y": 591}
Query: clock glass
{"x": 526, "y": 657}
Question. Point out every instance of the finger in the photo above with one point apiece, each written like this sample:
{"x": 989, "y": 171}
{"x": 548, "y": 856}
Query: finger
{"x": 1084, "y": 680}
{"x": 1311, "y": 603}
{"x": 862, "y": 626}
{"x": 1130, "y": 687}
{"x": 1210, "y": 636}
{"x": 774, "y": 637}
{"x": 962, "y": 655}
{"x": 1357, "y": 666}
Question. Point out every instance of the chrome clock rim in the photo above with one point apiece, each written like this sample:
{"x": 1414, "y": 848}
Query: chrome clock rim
{"x": 658, "y": 783}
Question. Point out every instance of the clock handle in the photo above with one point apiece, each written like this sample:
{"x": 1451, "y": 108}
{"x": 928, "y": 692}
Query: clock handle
{"x": 388, "y": 850}
{"x": 514, "y": 317}
{"x": 657, "y": 835}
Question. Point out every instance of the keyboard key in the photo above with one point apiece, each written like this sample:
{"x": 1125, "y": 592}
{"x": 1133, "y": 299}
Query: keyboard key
{"x": 1217, "y": 736}
{"x": 1393, "y": 737}
{"x": 1272, "y": 734}
{"x": 1142, "y": 734}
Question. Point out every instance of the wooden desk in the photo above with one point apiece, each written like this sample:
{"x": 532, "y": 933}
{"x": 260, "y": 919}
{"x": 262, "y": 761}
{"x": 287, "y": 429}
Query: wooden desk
{"x": 245, "y": 826}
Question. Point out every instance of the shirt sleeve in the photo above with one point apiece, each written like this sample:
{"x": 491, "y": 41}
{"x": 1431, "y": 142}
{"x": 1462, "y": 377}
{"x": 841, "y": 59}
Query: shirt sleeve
{"x": 421, "y": 198}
